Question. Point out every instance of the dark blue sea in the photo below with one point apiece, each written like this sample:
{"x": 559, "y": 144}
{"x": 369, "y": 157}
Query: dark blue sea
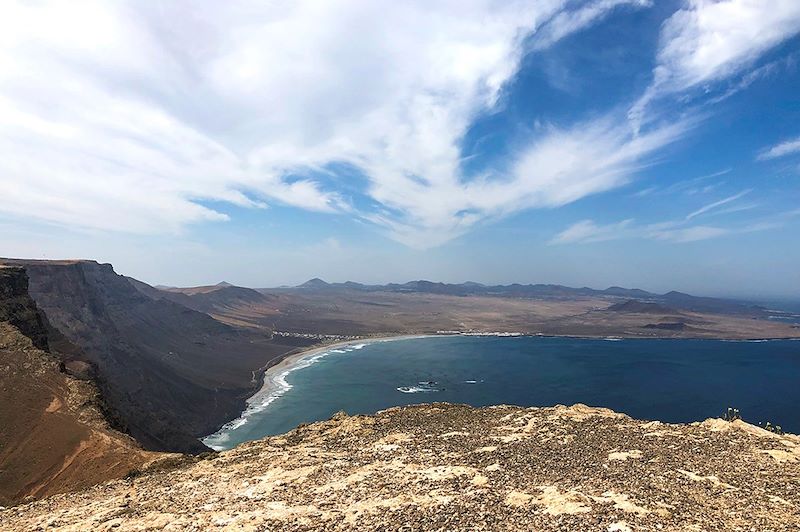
{"x": 668, "y": 380}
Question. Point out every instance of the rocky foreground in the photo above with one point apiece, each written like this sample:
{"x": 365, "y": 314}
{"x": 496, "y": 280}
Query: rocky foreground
{"x": 451, "y": 467}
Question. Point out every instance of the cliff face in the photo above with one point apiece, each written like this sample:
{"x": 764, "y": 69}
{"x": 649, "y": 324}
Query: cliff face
{"x": 451, "y": 467}
{"x": 17, "y": 307}
{"x": 168, "y": 374}
{"x": 53, "y": 436}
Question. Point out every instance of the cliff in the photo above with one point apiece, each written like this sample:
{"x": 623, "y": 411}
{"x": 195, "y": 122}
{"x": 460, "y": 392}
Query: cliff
{"x": 18, "y": 309}
{"x": 451, "y": 467}
{"x": 53, "y": 436}
{"x": 167, "y": 373}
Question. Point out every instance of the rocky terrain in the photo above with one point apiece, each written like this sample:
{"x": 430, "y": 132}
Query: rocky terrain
{"x": 53, "y": 435}
{"x": 100, "y": 370}
{"x": 452, "y": 467}
{"x": 168, "y": 373}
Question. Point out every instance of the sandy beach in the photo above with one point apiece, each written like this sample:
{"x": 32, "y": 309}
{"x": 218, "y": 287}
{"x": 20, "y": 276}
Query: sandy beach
{"x": 274, "y": 384}
{"x": 290, "y": 360}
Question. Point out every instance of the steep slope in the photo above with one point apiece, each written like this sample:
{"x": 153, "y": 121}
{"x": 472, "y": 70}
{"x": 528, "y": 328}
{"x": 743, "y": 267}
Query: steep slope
{"x": 451, "y": 467}
{"x": 53, "y": 436}
{"x": 17, "y": 308}
{"x": 168, "y": 373}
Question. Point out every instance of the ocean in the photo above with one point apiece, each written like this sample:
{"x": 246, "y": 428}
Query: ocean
{"x": 785, "y": 311}
{"x": 668, "y": 380}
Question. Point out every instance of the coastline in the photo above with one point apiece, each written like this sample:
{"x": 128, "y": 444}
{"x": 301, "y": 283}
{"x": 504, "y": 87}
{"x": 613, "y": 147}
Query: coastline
{"x": 273, "y": 379}
{"x": 273, "y": 384}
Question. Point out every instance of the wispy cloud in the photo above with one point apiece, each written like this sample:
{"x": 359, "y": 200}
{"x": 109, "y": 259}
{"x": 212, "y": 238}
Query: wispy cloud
{"x": 736, "y": 208}
{"x": 589, "y": 231}
{"x": 711, "y": 206}
{"x": 568, "y": 22}
{"x": 765, "y": 71}
{"x": 691, "y": 234}
{"x": 708, "y": 41}
{"x": 693, "y": 186}
{"x": 676, "y": 230}
{"x": 787, "y": 147}
{"x": 152, "y": 126}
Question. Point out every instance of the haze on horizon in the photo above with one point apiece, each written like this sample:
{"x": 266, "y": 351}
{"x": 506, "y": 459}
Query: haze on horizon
{"x": 587, "y": 143}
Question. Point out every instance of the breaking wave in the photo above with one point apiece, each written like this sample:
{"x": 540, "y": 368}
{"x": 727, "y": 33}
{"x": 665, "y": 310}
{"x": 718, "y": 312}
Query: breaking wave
{"x": 416, "y": 389}
{"x": 275, "y": 386}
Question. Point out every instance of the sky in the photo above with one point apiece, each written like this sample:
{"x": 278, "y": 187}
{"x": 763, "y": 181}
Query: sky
{"x": 639, "y": 143}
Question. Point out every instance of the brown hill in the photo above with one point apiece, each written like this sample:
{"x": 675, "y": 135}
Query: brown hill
{"x": 451, "y": 467}
{"x": 53, "y": 436}
{"x": 169, "y": 374}
{"x": 225, "y": 302}
{"x": 641, "y": 307}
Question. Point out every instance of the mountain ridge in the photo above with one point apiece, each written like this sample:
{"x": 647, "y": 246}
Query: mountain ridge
{"x": 539, "y": 290}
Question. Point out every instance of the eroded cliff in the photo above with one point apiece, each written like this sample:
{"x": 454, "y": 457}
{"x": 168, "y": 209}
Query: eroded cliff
{"x": 53, "y": 435}
{"x": 167, "y": 373}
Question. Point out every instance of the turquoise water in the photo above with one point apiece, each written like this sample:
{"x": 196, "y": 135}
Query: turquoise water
{"x": 669, "y": 380}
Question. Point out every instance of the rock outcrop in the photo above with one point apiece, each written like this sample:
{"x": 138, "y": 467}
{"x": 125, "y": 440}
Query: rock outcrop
{"x": 18, "y": 309}
{"x": 451, "y": 467}
{"x": 53, "y": 435}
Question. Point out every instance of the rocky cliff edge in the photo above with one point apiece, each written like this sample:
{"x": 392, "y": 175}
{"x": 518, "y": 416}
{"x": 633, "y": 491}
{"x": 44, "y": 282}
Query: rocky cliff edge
{"x": 452, "y": 467}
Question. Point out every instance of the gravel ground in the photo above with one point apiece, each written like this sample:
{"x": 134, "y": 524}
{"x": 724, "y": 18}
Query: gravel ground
{"x": 453, "y": 467}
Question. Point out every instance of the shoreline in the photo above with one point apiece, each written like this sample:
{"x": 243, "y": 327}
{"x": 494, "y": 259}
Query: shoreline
{"x": 273, "y": 384}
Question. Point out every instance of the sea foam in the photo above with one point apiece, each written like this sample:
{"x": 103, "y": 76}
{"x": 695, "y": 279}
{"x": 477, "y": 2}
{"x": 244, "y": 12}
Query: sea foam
{"x": 263, "y": 398}
{"x": 416, "y": 389}
{"x": 279, "y": 386}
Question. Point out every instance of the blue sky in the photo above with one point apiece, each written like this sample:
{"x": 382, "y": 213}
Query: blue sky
{"x": 639, "y": 143}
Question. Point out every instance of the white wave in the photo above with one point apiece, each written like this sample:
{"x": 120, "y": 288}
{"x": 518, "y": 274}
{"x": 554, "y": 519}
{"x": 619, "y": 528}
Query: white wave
{"x": 276, "y": 387}
{"x": 262, "y": 399}
{"x": 416, "y": 389}
{"x": 612, "y": 339}
{"x": 471, "y": 382}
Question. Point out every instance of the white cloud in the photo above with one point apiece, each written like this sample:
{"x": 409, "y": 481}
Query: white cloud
{"x": 676, "y": 230}
{"x": 710, "y": 40}
{"x": 765, "y": 71}
{"x": 588, "y": 231}
{"x": 782, "y": 149}
{"x": 711, "y": 206}
{"x": 115, "y": 117}
{"x": 672, "y": 231}
{"x": 691, "y": 234}
{"x": 569, "y": 22}
{"x": 690, "y": 187}
{"x": 560, "y": 167}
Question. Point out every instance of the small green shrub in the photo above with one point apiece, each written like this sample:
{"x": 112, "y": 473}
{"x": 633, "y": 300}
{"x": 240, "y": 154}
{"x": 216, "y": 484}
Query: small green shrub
{"x": 732, "y": 414}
